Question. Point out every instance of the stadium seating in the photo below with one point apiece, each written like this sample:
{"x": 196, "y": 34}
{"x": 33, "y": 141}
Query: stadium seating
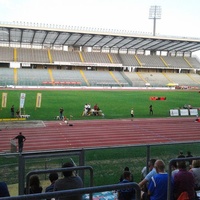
{"x": 6, "y": 54}
{"x": 98, "y": 69}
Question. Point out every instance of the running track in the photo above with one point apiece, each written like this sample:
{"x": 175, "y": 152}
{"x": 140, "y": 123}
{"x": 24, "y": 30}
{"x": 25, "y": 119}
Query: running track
{"x": 56, "y": 135}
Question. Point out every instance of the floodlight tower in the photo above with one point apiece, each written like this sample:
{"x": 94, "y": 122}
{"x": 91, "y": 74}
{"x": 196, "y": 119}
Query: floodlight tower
{"x": 154, "y": 13}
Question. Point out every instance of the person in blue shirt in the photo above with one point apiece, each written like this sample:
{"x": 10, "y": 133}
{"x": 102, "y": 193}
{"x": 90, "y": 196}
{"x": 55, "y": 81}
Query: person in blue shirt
{"x": 126, "y": 193}
{"x": 52, "y": 177}
{"x": 152, "y": 171}
{"x": 4, "y": 190}
{"x": 157, "y": 188}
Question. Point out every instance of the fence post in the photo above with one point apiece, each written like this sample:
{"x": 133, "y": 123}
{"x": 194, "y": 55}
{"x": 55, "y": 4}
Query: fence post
{"x": 82, "y": 163}
{"x": 148, "y": 157}
{"x": 21, "y": 174}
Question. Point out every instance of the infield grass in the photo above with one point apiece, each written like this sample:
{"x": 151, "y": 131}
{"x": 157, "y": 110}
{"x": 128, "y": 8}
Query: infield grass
{"x": 114, "y": 104}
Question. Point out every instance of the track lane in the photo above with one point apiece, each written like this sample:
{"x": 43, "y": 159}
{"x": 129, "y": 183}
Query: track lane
{"x": 56, "y": 135}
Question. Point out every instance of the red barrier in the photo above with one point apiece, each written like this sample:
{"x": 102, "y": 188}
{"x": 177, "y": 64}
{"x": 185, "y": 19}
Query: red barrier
{"x": 158, "y": 98}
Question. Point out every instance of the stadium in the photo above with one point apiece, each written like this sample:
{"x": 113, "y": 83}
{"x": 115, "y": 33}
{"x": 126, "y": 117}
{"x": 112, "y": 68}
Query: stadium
{"x": 41, "y": 57}
{"x": 59, "y": 56}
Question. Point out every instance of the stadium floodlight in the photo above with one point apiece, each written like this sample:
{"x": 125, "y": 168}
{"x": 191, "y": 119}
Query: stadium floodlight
{"x": 154, "y": 13}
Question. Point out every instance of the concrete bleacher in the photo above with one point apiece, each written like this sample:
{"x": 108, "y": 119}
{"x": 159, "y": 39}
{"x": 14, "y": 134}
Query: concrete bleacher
{"x": 92, "y": 57}
{"x": 49, "y": 58}
{"x": 6, "y": 76}
{"x": 65, "y": 56}
{"x": 32, "y": 55}
{"x": 121, "y": 80}
{"x": 150, "y": 61}
{"x": 195, "y": 77}
{"x": 115, "y": 58}
{"x": 128, "y": 60}
{"x": 100, "y": 78}
{"x": 68, "y": 77}
{"x": 155, "y": 79}
{"x": 193, "y": 62}
{"x": 9, "y": 54}
{"x": 176, "y": 62}
{"x": 32, "y": 76}
{"x": 24, "y": 55}
{"x": 40, "y": 56}
{"x": 182, "y": 79}
{"x": 41, "y": 77}
{"x": 135, "y": 79}
{"x": 6, "y": 54}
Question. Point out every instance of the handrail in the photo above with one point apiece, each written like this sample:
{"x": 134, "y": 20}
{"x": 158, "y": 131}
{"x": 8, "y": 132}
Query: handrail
{"x": 170, "y": 172}
{"x": 79, "y": 191}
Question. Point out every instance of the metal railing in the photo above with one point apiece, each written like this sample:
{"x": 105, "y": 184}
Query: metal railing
{"x": 169, "y": 191}
{"x": 79, "y": 191}
{"x": 59, "y": 170}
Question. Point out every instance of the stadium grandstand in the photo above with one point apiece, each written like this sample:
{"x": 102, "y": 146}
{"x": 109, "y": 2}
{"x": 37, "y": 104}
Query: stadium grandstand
{"x": 34, "y": 54}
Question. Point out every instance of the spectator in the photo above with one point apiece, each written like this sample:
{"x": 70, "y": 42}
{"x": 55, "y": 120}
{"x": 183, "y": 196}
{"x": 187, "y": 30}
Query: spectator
{"x": 184, "y": 182}
{"x": 196, "y": 173}
{"x": 126, "y": 193}
{"x": 181, "y": 155}
{"x": 174, "y": 168}
{"x": 34, "y": 185}
{"x": 70, "y": 181}
{"x": 152, "y": 172}
{"x": 122, "y": 176}
{"x": 12, "y": 111}
{"x": 4, "y": 190}
{"x": 143, "y": 172}
{"x": 52, "y": 177}
{"x": 157, "y": 188}
{"x": 21, "y": 139}
{"x": 189, "y": 155}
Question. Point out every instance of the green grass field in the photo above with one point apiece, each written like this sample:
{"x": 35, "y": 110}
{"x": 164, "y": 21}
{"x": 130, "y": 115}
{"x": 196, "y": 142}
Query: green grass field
{"x": 114, "y": 104}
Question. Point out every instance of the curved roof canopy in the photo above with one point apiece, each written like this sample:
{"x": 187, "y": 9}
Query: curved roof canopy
{"x": 59, "y": 36}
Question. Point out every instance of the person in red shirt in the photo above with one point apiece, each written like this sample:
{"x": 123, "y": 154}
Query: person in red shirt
{"x": 184, "y": 182}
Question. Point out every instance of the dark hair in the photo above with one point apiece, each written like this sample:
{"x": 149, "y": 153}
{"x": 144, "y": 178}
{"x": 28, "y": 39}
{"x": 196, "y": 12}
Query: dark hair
{"x": 126, "y": 169}
{"x": 127, "y": 174}
{"x": 53, "y": 176}
{"x": 34, "y": 181}
{"x": 152, "y": 161}
{"x": 181, "y": 164}
{"x": 67, "y": 173}
{"x": 174, "y": 164}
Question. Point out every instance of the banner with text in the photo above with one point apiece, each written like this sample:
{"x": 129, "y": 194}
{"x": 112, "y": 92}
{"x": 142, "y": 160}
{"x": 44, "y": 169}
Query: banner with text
{"x": 4, "y": 100}
{"x": 38, "y": 100}
{"x": 22, "y": 100}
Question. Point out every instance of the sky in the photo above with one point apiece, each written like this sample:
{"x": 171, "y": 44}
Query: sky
{"x": 178, "y": 17}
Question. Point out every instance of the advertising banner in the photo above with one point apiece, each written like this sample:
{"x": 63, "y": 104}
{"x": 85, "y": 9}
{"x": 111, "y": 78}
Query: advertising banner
{"x": 38, "y": 100}
{"x": 4, "y": 100}
{"x": 22, "y": 100}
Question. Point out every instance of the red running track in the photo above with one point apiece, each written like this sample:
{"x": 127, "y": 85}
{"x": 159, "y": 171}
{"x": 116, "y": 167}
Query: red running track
{"x": 56, "y": 135}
